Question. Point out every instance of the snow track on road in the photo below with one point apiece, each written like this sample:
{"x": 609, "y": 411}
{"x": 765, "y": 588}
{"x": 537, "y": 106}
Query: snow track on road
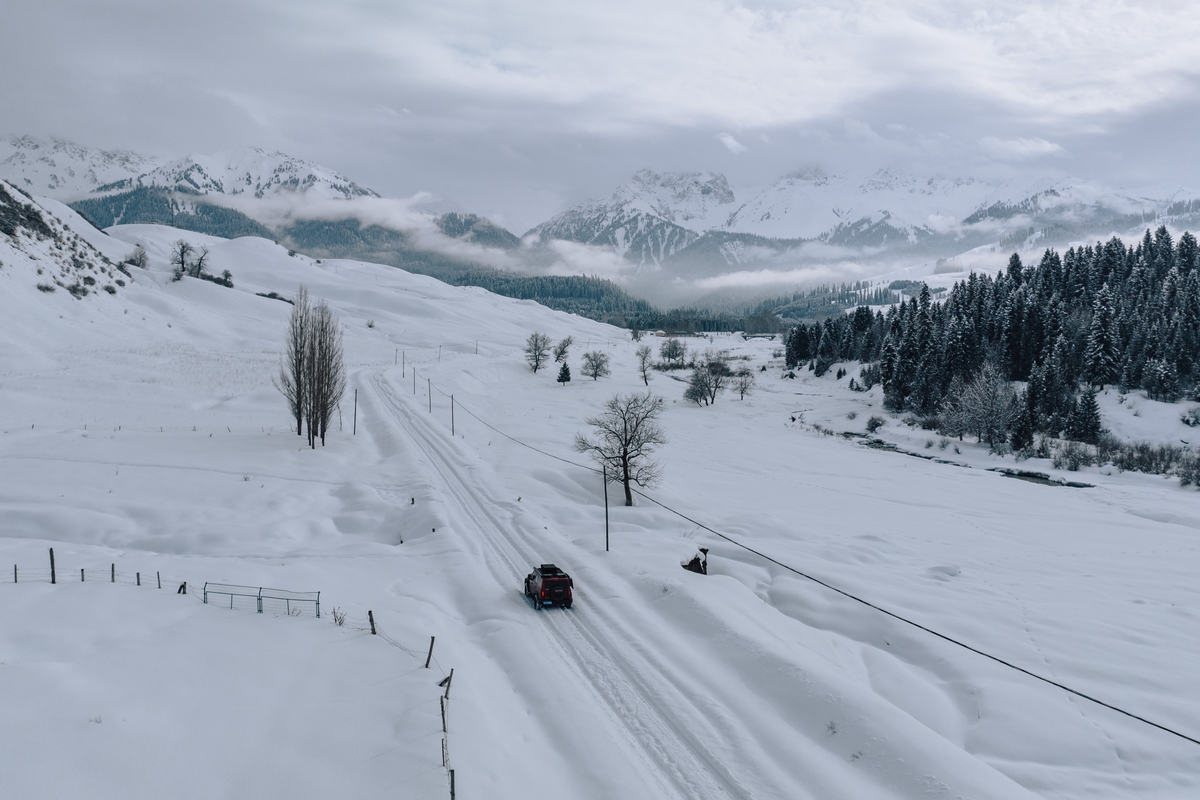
{"x": 654, "y": 718}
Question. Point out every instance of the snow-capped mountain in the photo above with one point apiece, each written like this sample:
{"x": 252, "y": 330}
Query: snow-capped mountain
{"x": 693, "y": 223}
{"x": 65, "y": 170}
{"x": 248, "y": 171}
{"x": 650, "y": 218}
{"x": 811, "y": 203}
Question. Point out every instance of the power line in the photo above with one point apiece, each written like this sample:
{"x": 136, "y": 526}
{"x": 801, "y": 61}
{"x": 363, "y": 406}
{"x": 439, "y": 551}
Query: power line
{"x": 849, "y": 595}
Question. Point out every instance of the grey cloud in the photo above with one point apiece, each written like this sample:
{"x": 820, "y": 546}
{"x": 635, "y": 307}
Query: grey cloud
{"x": 516, "y": 108}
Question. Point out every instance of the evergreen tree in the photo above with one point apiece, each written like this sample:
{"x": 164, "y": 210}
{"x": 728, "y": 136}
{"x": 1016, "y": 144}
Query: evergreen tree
{"x": 1022, "y": 432}
{"x": 564, "y": 374}
{"x": 1100, "y": 359}
{"x": 1085, "y": 422}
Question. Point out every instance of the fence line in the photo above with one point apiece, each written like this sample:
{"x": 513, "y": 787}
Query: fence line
{"x": 108, "y": 573}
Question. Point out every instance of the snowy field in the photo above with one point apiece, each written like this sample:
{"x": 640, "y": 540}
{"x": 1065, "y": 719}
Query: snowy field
{"x": 142, "y": 430}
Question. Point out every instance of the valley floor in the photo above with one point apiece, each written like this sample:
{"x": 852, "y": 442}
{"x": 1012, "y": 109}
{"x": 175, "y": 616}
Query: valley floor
{"x": 750, "y": 682}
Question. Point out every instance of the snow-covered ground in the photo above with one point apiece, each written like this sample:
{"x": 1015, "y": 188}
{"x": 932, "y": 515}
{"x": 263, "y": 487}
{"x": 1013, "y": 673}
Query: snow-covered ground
{"x": 748, "y": 682}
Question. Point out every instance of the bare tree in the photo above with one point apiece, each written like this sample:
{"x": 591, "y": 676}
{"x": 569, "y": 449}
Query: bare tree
{"x": 743, "y": 382}
{"x": 595, "y": 365}
{"x": 179, "y": 258}
{"x": 637, "y": 333}
{"x": 327, "y": 381}
{"x": 138, "y": 258}
{"x": 699, "y": 387}
{"x": 644, "y": 359}
{"x": 673, "y": 352}
{"x": 294, "y": 371}
{"x": 537, "y": 350}
{"x": 200, "y": 262}
{"x": 312, "y": 376}
{"x": 627, "y": 434}
{"x": 562, "y": 348}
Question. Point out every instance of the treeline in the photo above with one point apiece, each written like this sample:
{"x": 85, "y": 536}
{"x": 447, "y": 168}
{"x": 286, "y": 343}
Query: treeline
{"x": 1096, "y": 315}
{"x": 156, "y": 206}
{"x": 825, "y": 301}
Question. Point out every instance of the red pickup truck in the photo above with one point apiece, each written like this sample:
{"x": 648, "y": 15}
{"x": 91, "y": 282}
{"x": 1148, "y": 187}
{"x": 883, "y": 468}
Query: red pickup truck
{"x": 548, "y": 585}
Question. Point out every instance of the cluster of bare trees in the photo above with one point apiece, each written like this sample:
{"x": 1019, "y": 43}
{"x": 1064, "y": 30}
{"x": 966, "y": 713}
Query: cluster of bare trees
{"x": 187, "y": 260}
{"x": 313, "y": 374}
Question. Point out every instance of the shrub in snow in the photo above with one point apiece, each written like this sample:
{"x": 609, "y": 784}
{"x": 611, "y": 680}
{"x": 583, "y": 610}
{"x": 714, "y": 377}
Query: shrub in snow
{"x": 46, "y": 287}
{"x": 874, "y": 424}
{"x": 1071, "y": 455}
{"x": 1189, "y": 470}
{"x": 1191, "y": 417}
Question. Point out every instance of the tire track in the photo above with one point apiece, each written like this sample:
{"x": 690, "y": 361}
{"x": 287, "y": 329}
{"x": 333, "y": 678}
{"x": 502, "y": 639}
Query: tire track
{"x": 666, "y": 740}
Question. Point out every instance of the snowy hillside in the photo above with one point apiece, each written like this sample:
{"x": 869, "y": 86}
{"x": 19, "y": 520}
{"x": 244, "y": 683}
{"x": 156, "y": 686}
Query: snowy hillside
{"x": 43, "y": 252}
{"x": 248, "y": 171}
{"x": 140, "y": 434}
{"x": 62, "y": 169}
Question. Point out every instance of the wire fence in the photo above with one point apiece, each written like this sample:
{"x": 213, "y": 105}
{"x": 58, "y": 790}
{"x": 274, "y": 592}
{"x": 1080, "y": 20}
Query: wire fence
{"x": 432, "y": 782}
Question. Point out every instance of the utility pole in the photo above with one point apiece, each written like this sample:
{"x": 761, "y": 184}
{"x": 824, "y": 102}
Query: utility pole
{"x": 451, "y": 416}
{"x": 604, "y": 470}
{"x": 403, "y": 358}
{"x": 355, "y": 433}
{"x": 429, "y": 391}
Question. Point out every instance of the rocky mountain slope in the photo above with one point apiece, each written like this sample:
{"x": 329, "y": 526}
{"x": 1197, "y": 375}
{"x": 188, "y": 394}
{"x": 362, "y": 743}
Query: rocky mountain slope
{"x": 65, "y": 170}
{"x": 248, "y": 171}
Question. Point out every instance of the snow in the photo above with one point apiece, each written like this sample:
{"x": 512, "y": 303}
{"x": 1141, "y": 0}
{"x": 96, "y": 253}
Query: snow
{"x": 63, "y": 169}
{"x": 809, "y": 203}
{"x": 748, "y": 682}
{"x": 254, "y": 172}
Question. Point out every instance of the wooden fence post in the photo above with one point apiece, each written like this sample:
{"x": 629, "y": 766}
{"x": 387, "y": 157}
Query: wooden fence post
{"x": 139, "y": 579}
{"x": 451, "y": 784}
{"x": 371, "y": 619}
{"x": 114, "y": 573}
{"x": 81, "y": 578}
{"x": 52, "y": 576}
{"x": 443, "y": 702}
{"x": 449, "y": 680}
{"x": 431, "y": 638}
{"x": 159, "y": 575}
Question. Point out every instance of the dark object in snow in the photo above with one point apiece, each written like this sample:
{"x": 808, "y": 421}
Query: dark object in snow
{"x": 548, "y": 585}
{"x": 182, "y": 588}
{"x": 699, "y": 563}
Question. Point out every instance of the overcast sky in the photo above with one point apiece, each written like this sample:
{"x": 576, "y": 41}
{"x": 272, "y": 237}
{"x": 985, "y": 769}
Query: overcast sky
{"x": 518, "y": 109}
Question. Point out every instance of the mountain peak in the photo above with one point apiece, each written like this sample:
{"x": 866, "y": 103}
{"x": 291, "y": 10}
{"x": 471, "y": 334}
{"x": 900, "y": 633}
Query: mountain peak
{"x": 249, "y": 171}
{"x": 62, "y": 169}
